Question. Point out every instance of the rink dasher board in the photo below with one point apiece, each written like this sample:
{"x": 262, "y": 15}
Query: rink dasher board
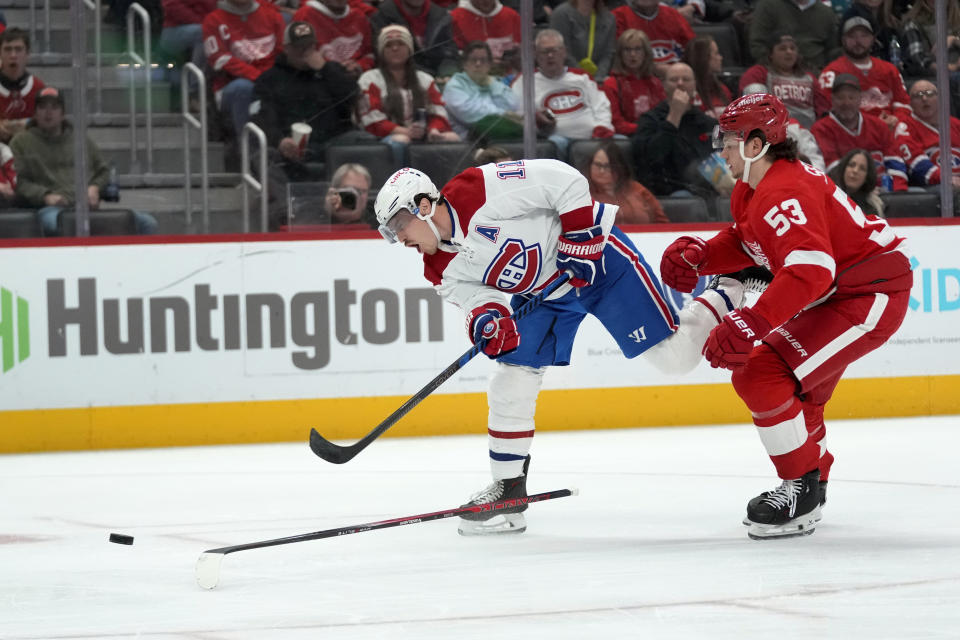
{"x": 259, "y": 339}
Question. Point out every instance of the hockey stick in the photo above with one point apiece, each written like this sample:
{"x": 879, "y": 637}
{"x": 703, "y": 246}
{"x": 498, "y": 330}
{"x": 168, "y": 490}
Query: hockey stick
{"x": 208, "y": 565}
{"x": 339, "y": 454}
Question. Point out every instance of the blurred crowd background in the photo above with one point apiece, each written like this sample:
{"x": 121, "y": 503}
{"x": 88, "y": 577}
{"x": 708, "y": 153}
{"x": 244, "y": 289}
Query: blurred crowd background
{"x": 198, "y": 116}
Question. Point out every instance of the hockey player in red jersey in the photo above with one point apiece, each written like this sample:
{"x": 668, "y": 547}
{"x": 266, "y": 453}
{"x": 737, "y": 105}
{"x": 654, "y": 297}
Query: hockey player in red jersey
{"x": 840, "y": 289}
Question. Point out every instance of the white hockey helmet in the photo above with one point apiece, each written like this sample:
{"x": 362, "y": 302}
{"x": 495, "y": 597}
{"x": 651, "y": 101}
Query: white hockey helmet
{"x": 403, "y": 191}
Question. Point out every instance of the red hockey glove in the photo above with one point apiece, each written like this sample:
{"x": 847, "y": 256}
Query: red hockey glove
{"x": 493, "y": 325}
{"x": 731, "y": 341}
{"x": 581, "y": 253}
{"x": 678, "y": 266}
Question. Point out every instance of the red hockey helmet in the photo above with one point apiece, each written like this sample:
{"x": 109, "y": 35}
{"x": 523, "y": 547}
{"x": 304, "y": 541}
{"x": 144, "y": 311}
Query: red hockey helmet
{"x": 756, "y": 111}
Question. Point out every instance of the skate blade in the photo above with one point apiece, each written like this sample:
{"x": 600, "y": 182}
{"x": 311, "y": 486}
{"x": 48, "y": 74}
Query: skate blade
{"x": 802, "y": 526}
{"x": 816, "y": 513}
{"x": 497, "y": 525}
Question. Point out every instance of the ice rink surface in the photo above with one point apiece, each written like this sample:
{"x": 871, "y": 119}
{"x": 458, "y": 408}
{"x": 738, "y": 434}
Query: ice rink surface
{"x": 651, "y": 548}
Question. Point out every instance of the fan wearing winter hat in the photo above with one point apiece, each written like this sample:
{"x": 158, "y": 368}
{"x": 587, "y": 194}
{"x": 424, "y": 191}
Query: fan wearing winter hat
{"x": 783, "y": 74}
{"x": 401, "y": 104}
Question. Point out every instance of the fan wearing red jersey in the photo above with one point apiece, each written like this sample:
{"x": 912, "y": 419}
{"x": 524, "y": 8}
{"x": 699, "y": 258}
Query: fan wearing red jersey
{"x": 840, "y": 290}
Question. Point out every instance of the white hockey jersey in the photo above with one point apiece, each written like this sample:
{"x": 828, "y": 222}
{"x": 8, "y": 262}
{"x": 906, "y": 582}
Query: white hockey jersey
{"x": 507, "y": 219}
{"x": 575, "y": 100}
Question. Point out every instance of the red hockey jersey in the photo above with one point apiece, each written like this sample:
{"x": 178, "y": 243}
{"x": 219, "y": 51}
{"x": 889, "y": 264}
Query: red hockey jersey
{"x": 630, "y": 97}
{"x": 872, "y": 134}
{"x": 241, "y": 44}
{"x": 668, "y": 31}
{"x": 342, "y": 38}
{"x": 920, "y": 148}
{"x": 16, "y": 104}
{"x": 8, "y": 173}
{"x": 803, "y": 228}
{"x": 500, "y": 28}
{"x": 881, "y": 86}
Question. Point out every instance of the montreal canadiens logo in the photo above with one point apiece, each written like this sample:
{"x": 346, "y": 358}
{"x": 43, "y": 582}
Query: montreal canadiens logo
{"x": 516, "y": 268}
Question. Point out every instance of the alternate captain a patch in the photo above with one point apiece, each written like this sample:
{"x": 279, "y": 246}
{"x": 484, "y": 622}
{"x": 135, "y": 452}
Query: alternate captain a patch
{"x": 516, "y": 268}
{"x": 490, "y": 233}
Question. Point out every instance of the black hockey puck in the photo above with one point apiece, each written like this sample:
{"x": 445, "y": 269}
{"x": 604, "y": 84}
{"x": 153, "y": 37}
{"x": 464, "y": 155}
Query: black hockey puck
{"x": 120, "y": 538}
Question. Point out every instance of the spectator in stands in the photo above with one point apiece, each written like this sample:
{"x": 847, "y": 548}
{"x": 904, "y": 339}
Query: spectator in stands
{"x": 610, "y": 181}
{"x": 882, "y": 91}
{"x": 3, "y": 22}
{"x": 480, "y": 106}
{"x": 812, "y": 23}
{"x": 674, "y": 138}
{"x": 302, "y": 86}
{"x": 807, "y": 146}
{"x": 569, "y": 104}
{"x": 922, "y": 153}
{"x": 350, "y": 185}
{"x": 8, "y": 176}
{"x": 487, "y": 20}
{"x": 668, "y": 31}
{"x": 703, "y": 56}
{"x": 181, "y": 39}
{"x": 632, "y": 88}
{"x": 885, "y": 23}
{"x": 241, "y": 39}
{"x": 43, "y": 157}
{"x": 431, "y": 27}
{"x": 401, "y": 104}
{"x": 919, "y": 34}
{"x": 487, "y": 155}
{"x": 18, "y": 87}
{"x": 856, "y": 174}
{"x": 846, "y": 128}
{"x": 343, "y": 33}
{"x": 783, "y": 75}
{"x": 589, "y": 31}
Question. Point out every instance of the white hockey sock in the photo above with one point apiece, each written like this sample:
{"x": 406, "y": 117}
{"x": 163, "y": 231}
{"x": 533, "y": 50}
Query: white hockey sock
{"x": 512, "y": 399}
{"x": 681, "y": 352}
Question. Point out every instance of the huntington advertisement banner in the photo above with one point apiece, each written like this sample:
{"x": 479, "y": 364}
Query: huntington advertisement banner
{"x": 97, "y": 326}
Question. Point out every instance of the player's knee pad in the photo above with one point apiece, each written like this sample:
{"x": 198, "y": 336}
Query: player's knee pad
{"x": 512, "y": 396}
{"x": 765, "y": 381}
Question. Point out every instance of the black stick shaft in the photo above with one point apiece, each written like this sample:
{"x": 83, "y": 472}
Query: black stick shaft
{"x": 396, "y": 522}
{"x": 339, "y": 454}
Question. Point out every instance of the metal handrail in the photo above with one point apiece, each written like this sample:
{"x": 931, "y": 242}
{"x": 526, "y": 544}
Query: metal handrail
{"x": 189, "y": 121}
{"x": 248, "y": 179}
{"x": 98, "y": 20}
{"x": 137, "y": 10}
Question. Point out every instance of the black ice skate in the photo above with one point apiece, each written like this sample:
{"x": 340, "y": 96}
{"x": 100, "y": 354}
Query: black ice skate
{"x": 505, "y": 520}
{"x": 818, "y": 513}
{"x": 792, "y": 509}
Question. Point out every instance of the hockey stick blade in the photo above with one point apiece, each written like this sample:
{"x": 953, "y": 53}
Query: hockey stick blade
{"x": 208, "y": 564}
{"x": 338, "y": 454}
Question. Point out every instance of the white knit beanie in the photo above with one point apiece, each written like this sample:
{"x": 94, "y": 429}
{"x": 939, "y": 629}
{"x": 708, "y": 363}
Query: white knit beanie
{"x": 394, "y": 32}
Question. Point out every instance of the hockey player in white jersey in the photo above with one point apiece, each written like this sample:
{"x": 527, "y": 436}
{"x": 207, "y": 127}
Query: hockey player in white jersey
{"x": 510, "y": 228}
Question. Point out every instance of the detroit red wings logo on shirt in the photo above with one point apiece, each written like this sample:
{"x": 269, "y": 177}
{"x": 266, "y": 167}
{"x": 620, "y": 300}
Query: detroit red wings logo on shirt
{"x": 564, "y": 101}
{"x": 516, "y": 268}
{"x": 343, "y": 48}
{"x": 252, "y": 49}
